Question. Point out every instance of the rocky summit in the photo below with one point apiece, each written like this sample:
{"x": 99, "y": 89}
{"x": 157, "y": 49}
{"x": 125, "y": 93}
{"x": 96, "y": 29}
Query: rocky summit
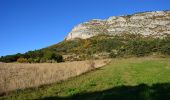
{"x": 155, "y": 23}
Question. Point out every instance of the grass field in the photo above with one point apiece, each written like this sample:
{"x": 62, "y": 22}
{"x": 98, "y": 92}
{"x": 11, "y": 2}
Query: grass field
{"x": 145, "y": 78}
{"x": 15, "y": 76}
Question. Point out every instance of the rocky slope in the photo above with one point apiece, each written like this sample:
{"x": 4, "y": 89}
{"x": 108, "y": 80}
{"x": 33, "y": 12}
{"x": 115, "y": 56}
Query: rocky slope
{"x": 148, "y": 23}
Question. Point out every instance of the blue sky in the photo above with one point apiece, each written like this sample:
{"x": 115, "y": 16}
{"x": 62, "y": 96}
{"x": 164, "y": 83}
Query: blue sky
{"x": 33, "y": 24}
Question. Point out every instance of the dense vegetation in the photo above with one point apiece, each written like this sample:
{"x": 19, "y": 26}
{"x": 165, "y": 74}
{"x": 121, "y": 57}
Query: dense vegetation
{"x": 97, "y": 47}
{"x": 124, "y": 79}
{"x": 37, "y": 56}
{"x": 114, "y": 46}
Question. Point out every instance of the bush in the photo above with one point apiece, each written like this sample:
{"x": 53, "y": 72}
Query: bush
{"x": 59, "y": 58}
{"x": 36, "y": 60}
{"x": 165, "y": 49}
{"x": 139, "y": 47}
{"x": 22, "y": 60}
{"x": 112, "y": 55}
{"x": 30, "y": 60}
{"x": 165, "y": 46}
{"x": 52, "y": 56}
{"x": 42, "y": 60}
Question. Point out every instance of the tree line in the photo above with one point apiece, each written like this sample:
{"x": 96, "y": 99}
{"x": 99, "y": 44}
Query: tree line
{"x": 37, "y": 56}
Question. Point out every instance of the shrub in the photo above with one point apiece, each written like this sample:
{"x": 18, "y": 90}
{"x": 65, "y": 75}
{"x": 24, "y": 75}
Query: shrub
{"x": 22, "y": 60}
{"x": 53, "y": 56}
{"x": 59, "y": 58}
{"x": 139, "y": 47}
{"x": 49, "y": 55}
{"x": 30, "y": 60}
{"x": 112, "y": 55}
{"x": 42, "y": 60}
{"x": 165, "y": 49}
{"x": 37, "y": 60}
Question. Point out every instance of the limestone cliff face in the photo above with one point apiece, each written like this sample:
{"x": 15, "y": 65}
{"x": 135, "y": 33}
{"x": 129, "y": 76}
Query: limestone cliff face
{"x": 148, "y": 23}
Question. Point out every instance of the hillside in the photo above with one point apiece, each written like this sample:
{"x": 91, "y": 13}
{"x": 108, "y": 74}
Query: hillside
{"x": 97, "y": 47}
{"x": 156, "y": 23}
{"x": 106, "y": 46}
{"x": 123, "y": 79}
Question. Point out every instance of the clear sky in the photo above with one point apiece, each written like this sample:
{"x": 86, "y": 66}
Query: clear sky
{"x": 33, "y": 24}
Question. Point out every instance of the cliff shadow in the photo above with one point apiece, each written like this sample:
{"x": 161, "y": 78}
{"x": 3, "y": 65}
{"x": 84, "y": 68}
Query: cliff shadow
{"x": 139, "y": 92}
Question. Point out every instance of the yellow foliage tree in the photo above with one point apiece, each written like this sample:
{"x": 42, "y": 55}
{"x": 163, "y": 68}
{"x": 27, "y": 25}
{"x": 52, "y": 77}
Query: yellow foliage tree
{"x": 22, "y": 60}
{"x": 87, "y": 44}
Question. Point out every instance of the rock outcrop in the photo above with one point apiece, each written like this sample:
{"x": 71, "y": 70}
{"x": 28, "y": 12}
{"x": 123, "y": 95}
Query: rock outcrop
{"x": 155, "y": 23}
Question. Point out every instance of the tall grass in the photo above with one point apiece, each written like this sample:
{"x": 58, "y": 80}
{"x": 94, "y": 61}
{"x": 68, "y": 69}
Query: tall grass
{"x": 15, "y": 76}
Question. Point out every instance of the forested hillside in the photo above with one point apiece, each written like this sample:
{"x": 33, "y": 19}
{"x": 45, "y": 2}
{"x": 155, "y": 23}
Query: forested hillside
{"x": 101, "y": 46}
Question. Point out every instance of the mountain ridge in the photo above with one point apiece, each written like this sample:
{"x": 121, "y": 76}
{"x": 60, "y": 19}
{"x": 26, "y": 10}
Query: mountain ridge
{"x": 156, "y": 23}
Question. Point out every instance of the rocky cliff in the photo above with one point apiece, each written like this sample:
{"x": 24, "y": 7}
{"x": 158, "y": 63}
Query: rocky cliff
{"x": 155, "y": 23}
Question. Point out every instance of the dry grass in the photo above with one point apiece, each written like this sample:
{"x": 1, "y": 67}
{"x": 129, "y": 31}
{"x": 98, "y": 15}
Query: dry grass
{"x": 15, "y": 76}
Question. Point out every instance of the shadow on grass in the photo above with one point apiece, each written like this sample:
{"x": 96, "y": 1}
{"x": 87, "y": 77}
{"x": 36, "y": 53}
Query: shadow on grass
{"x": 140, "y": 92}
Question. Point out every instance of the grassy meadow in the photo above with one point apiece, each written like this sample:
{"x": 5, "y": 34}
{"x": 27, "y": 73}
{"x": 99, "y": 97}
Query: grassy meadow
{"x": 15, "y": 76}
{"x": 146, "y": 78}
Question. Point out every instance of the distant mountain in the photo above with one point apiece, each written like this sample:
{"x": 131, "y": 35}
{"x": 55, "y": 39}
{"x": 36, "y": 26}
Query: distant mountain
{"x": 155, "y": 23}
